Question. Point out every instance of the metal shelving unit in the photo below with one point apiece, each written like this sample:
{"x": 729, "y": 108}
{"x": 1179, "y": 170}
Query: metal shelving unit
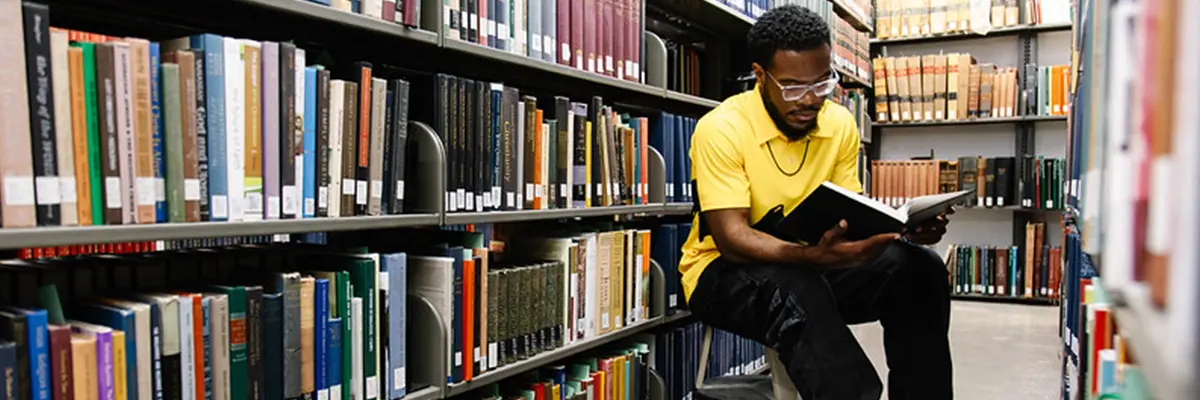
{"x": 854, "y": 15}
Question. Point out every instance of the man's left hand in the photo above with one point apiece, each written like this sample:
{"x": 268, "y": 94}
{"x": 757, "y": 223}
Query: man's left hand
{"x": 931, "y": 230}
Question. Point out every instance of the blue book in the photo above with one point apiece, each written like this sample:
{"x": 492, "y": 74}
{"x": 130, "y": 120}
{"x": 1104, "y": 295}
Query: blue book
{"x": 660, "y": 139}
{"x": 681, "y": 153}
{"x": 37, "y": 339}
{"x": 206, "y": 331}
{"x": 497, "y": 93}
{"x": 213, "y": 48}
{"x": 272, "y": 343}
{"x": 320, "y": 337}
{"x": 323, "y": 2}
{"x": 308, "y": 182}
{"x": 334, "y": 357}
{"x": 122, "y": 320}
{"x": 160, "y": 164}
{"x": 8, "y": 367}
{"x": 396, "y": 266}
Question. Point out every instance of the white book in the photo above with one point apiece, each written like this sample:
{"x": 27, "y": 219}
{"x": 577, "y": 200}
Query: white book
{"x": 60, "y": 78}
{"x": 356, "y": 348}
{"x": 235, "y": 127}
{"x": 337, "y": 101}
{"x": 630, "y": 277}
{"x": 590, "y": 293}
{"x": 372, "y": 8}
{"x": 141, "y": 326}
{"x": 126, "y": 143}
{"x": 169, "y": 345}
{"x": 298, "y": 141}
{"x": 219, "y": 331}
{"x": 187, "y": 346}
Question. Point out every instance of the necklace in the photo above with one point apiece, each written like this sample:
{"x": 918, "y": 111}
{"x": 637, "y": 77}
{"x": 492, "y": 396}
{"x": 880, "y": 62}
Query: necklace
{"x": 802, "y": 160}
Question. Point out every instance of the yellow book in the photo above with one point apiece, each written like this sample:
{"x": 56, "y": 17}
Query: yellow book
{"x": 119, "y": 375}
{"x": 587, "y": 139}
{"x": 556, "y": 391}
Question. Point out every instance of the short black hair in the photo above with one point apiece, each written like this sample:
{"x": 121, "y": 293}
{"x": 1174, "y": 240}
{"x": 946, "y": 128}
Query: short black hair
{"x": 788, "y": 27}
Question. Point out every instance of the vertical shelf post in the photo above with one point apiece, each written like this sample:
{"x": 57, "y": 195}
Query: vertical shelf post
{"x": 429, "y": 174}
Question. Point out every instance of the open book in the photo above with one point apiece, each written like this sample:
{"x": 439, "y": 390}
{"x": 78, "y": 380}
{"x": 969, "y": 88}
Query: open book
{"x": 865, "y": 217}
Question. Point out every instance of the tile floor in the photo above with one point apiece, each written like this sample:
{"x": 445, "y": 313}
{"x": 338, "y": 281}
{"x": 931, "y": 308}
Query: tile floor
{"x": 1001, "y": 351}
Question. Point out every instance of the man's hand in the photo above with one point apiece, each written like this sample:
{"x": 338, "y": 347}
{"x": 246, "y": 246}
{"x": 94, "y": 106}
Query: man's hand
{"x": 835, "y": 251}
{"x": 930, "y": 231}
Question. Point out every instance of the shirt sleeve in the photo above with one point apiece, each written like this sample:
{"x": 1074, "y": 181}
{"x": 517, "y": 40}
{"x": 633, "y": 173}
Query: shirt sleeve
{"x": 717, "y": 165}
{"x": 845, "y": 173}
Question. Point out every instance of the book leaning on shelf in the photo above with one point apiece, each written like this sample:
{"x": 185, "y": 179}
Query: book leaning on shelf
{"x": 953, "y": 87}
{"x": 201, "y": 128}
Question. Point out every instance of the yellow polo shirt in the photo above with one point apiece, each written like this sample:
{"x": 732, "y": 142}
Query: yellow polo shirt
{"x": 734, "y": 169}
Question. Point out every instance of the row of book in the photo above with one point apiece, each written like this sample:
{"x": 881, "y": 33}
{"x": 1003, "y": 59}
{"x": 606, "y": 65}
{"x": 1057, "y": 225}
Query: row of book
{"x": 1027, "y": 271}
{"x": 685, "y": 63}
{"x": 1105, "y": 362}
{"x": 951, "y": 87}
{"x": 668, "y": 239}
{"x": 232, "y": 323}
{"x": 671, "y": 135}
{"x": 615, "y": 373}
{"x": 857, "y": 101}
{"x": 503, "y": 152}
{"x": 851, "y": 48}
{"x": 404, "y": 12}
{"x": 916, "y": 18}
{"x": 201, "y": 128}
{"x": 1039, "y": 186}
{"x": 677, "y": 358}
{"x": 600, "y": 36}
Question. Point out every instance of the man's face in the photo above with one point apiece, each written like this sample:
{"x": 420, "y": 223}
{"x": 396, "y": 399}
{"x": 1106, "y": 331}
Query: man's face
{"x": 796, "y": 119}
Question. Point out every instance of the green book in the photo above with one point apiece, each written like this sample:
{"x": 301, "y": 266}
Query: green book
{"x": 239, "y": 386}
{"x": 93, "y": 131}
{"x": 364, "y": 283}
{"x": 340, "y": 291}
{"x": 172, "y": 112}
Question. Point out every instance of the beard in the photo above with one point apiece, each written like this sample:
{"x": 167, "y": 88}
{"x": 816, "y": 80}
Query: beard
{"x": 782, "y": 124}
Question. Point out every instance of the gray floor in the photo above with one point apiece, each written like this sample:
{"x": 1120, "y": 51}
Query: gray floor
{"x": 1001, "y": 351}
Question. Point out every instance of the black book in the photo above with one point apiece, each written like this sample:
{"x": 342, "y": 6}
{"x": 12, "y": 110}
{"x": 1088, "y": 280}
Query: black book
{"x": 508, "y": 149}
{"x": 287, "y": 116}
{"x": 562, "y": 151}
{"x": 472, "y": 27}
{"x": 397, "y": 148}
{"x": 597, "y": 116}
{"x": 362, "y": 72}
{"x": 474, "y": 120}
{"x": 829, "y": 203}
{"x": 579, "y": 156}
{"x": 989, "y": 175}
{"x": 441, "y": 105}
{"x": 272, "y": 345}
{"x": 453, "y": 150}
{"x": 201, "y": 135}
{"x": 13, "y": 329}
{"x": 322, "y": 147}
{"x": 254, "y": 342}
{"x": 1004, "y": 181}
{"x": 41, "y": 112}
{"x": 528, "y": 150}
{"x": 109, "y": 155}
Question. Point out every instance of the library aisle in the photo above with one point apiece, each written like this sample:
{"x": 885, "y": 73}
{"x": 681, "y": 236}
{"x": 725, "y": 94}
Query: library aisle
{"x": 1001, "y": 351}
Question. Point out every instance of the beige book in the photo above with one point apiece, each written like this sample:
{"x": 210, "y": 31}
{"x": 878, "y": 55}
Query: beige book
{"x": 915, "y": 88}
{"x": 65, "y": 151}
{"x": 895, "y": 17}
{"x": 902, "y": 88}
{"x": 893, "y": 88}
{"x": 939, "y": 87}
{"x": 1010, "y": 92}
{"x": 603, "y": 282}
{"x": 307, "y": 324}
{"x": 883, "y": 18}
{"x": 926, "y": 16}
{"x": 83, "y": 367}
{"x": 145, "y": 189}
{"x": 964, "y": 15}
{"x": 965, "y": 61}
{"x": 337, "y": 95}
{"x": 617, "y": 275}
{"x": 952, "y": 87}
{"x": 973, "y": 93}
{"x": 375, "y": 166}
{"x": 1012, "y": 13}
{"x": 219, "y": 321}
{"x": 997, "y": 13}
{"x": 987, "y": 83}
{"x": 16, "y": 164}
{"x": 879, "y": 71}
{"x": 79, "y": 137}
{"x": 1000, "y": 82}
{"x": 913, "y": 11}
{"x": 937, "y": 17}
{"x": 928, "y": 89}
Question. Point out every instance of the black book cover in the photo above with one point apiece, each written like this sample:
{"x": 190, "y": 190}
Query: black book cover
{"x": 322, "y": 148}
{"x": 462, "y": 158}
{"x": 389, "y": 105}
{"x": 362, "y": 71}
{"x": 441, "y": 125}
{"x": 106, "y": 93}
{"x": 481, "y": 142}
{"x": 470, "y": 161}
{"x": 579, "y": 155}
{"x": 453, "y": 159}
{"x": 201, "y": 135}
{"x": 349, "y": 148}
{"x": 508, "y": 149}
{"x": 13, "y": 329}
{"x": 272, "y": 345}
{"x": 397, "y": 147}
{"x": 254, "y": 342}
{"x": 459, "y": 355}
{"x": 1005, "y": 184}
{"x": 473, "y": 26}
{"x": 494, "y": 147}
{"x": 41, "y": 112}
{"x": 528, "y": 137}
{"x": 990, "y": 186}
{"x": 617, "y": 136}
{"x": 822, "y": 210}
{"x": 287, "y": 117}
{"x": 597, "y": 117}
{"x": 562, "y": 151}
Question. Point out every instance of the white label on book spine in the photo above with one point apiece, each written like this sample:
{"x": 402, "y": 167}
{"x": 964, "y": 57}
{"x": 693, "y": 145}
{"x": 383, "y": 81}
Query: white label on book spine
{"x": 608, "y": 63}
{"x": 254, "y": 204}
{"x": 462, "y": 202}
{"x": 474, "y": 21}
{"x": 536, "y": 45}
{"x": 470, "y": 203}
{"x": 273, "y": 207}
{"x": 360, "y": 192}
{"x": 372, "y": 387}
{"x": 377, "y": 189}
{"x": 548, "y": 44}
{"x": 335, "y": 392}
{"x": 112, "y": 192}
{"x": 399, "y": 377}
{"x": 323, "y": 394}
{"x": 191, "y": 189}
{"x": 511, "y": 198}
{"x": 491, "y": 27}
{"x": 458, "y": 359}
{"x": 145, "y": 191}
{"x": 400, "y": 189}
{"x": 451, "y": 201}
{"x": 604, "y": 320}
{"x": 160, "y": 189}
{"x": 999, "y": 202}
{"x": 579, "y": 61}
{"x": 48, "y": 190}
{"x": 478, "y": 203}
{"x": 67, "y": 188}
{"x": 310, "y": 206}
{"x": 462, "y": 18}
{"x": 323, "y": 196}
{"x": 493, "y": 349}
{"x": 291, "y": 200}
{"x": 347, "y": 186}
{"x": 565, "y": 52}
{"x": 220, "y": 206}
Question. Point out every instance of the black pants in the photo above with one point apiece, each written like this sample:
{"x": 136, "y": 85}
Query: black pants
{"x": 803, "y": 314}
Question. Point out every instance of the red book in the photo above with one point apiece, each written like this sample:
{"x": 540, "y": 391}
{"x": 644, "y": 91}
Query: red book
{"x": 409, "y": 10}
{"x": 577, "y": 36}
{"x": 563, "y": 31}
{"x": 606, "y": 37}
{"x": 539, "y": 391}
{"x": 60, "y": 362}
{"x": 468, "y": 320}
{"x": 389, "y": 10}
{"x": 591, "y": 29}
{"x": 634, "y": 71}
{"x": 618, "y": 37}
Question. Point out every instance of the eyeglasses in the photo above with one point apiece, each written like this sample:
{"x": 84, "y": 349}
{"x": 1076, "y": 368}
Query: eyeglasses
{"x": 797, "y": 92}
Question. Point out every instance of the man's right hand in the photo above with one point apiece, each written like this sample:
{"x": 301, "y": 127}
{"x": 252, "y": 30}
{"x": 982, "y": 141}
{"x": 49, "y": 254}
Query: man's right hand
{"x": 835, "y": 250}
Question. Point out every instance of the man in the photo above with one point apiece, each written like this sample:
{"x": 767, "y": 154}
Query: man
{"x": 773, "y": 146}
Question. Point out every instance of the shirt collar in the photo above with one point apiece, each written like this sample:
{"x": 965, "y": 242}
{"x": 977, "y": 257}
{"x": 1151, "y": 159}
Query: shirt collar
{"x": 765, "y": 129}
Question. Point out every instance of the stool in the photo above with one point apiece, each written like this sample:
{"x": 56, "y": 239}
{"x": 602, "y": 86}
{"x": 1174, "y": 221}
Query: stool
{"x": 743, "y": 387}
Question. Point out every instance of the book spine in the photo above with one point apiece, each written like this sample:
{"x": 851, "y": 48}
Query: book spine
{"x": 64, "y": 120}
{"x": 397, "y": 320}
{"x": 157, "y": 359}
{"x": 238, "y": 344}
{"x": 377, "y": 139}
{"x": 214, "y": 135}
{"x": 126, "y": 134}
{"x": 272, "y": 306}
{"x": 363, "y": 138}
{"x": 187, "y": 352}
{"x": 254, "y": 343}
{"x": 254, "y": 203}
{"x": 323, "y": 152}
{"x": 287, "y": 118}
{"x": 90, "y": 142}
{"x": 320, "y": 338}
{"x": 349, "y": 148}
{"x": 235, "y": 128}
{"x": 307, "y": 287}
{"x": 291, "y": 335}
{"x": 41, "y": 113}
{"x": 398, "y": 147}
{"x": 205, "y": 382}
{"x": 60, "y": 362}
{"x": 202, "y": 124}
{"x": 310, "y": 117}
{"x": 356, "y": 348}
{"x": 173, "y": 140}
{"x": 270, "y": 128}
{"x": 143, "y": 132}
{"x": 157, "y": 126}
{"x": 104, "y": 359}
{"x": 334, "y": 357}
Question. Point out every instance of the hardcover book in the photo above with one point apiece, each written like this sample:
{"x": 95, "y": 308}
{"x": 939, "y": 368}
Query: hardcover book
{"x": 865, "y": 217}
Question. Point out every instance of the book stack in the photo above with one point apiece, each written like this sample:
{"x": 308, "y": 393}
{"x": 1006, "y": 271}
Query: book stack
{"x": 915, "y": 18}
{"x": 404, "y": 12}
{"x": 851, "y": 48}
{"x": 677, "y": 358}
{"x": 617, "y": 373}
{"x": 504, "y": 152}
{"x": 994, "y": 179}
{"x": 952, "y": 87}
{"x": 271, "y": 321}
{"x": 668, "y": 239}
{"x": 599, "y": 36}
{"x": 671, "y": 135}
{"x": 201, "y": 128}
{"x": 1033, "y": 270}
{"x": 684, "y": 62}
